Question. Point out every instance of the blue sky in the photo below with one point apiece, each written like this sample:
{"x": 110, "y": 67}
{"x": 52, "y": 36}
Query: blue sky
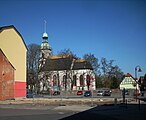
{"x": 114, "y": 29}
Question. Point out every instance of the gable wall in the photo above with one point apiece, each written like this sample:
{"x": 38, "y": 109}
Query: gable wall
{"x": 127, "y": 83}
{"x": 15, "y": 50}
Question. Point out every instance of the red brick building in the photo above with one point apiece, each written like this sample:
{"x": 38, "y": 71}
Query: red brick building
{"x": 6, "y": 78}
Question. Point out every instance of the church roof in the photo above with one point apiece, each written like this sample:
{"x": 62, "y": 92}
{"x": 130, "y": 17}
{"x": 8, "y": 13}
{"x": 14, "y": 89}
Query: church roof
{"x": 82, "y": 64}
{"x": 53, "y": 63}
{"x": 64, "y": 62}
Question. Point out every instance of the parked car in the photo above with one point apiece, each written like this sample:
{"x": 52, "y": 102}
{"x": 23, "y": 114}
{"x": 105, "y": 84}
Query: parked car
{"x": 56, "y": 93}
{"x": 87, "y": 93}
{"x": 79, "y": 92}
{"x": 126, "y": 92}
{"x": 100, "y": 93}
{"x": 103, "y": 93}
{"x": 107, "y": 93}
{"x": 44, "y": 92}
{"x": 29, "y": 94}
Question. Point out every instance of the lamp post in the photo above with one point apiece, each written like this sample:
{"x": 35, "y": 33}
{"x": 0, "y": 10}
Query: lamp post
{"x": 137, "y": 69}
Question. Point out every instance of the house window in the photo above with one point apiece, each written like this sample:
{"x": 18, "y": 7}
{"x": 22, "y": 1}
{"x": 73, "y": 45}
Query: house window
{"x": 74, "y": 80}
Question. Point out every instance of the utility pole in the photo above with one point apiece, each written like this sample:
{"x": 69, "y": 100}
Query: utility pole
{"x": 137, "y": 69}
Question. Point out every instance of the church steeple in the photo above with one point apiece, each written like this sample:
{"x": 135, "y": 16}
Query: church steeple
{"x": 45, "y": 47}
{"x": 46, "y": 50}
{"x": 45, "y": 35}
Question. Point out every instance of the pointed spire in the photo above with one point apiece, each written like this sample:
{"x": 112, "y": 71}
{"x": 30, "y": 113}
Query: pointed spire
{"x": 45, "y": 26}
{"x": 45, "y": 35}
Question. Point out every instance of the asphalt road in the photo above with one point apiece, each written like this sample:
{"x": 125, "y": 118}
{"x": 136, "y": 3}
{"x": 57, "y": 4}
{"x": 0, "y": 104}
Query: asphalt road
{"x": 25, "y": 114}
{"x": 111, "y": 113}
{"x": 108, "y": 112}
{"x": 132, "y": 110}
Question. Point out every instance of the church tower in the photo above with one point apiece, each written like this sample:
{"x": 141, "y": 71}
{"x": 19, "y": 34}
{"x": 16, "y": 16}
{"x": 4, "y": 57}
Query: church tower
{"x": 45, "y": 50}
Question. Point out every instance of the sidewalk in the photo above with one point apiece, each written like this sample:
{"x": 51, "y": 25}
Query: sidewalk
{"x": 57, "y": 101}
{"x": 70, "y": 104}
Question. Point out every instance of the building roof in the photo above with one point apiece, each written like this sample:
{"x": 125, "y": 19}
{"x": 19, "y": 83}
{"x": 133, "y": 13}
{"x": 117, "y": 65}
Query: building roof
{"x": 82, "y": 64}
{"x": 12, "y": 26}
{"x": 53, "y": 63}
{"x": 129, "y": 75}
{"x": 64, "y": 62}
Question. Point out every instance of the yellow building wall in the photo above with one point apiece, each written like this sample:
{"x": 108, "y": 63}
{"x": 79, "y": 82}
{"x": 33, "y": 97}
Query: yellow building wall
{"x": 15, "y": 50}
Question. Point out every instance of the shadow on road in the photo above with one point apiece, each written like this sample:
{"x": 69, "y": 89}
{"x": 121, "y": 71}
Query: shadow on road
{"x": 112, "y": 112}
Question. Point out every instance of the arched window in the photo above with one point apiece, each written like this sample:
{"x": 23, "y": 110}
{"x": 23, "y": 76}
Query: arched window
{"x": 54, "y": 80}
{"x": 74, "y": 80}
{"x": 64, "y": 80}
{"x": 88, "y": 81}
{"x": 81, "y": 80}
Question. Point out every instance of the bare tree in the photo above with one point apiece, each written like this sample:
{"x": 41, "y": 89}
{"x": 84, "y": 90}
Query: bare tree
{"x": 32, "y": 64}
{"x": 112, "y": 74}
{"x": 104, "y": 66}
{"x": 93, "y": 61}
{"x": 67, "y": 52}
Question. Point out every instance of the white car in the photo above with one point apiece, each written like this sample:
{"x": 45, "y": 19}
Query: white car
{"x": 100, "y": 93}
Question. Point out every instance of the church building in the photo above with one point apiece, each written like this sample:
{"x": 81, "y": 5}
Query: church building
{"x": 63, "y": 72}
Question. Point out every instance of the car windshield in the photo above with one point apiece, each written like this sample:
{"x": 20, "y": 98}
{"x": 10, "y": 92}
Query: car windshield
{"x": 107, "y": 91}
{"x": 99, "y": 91}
